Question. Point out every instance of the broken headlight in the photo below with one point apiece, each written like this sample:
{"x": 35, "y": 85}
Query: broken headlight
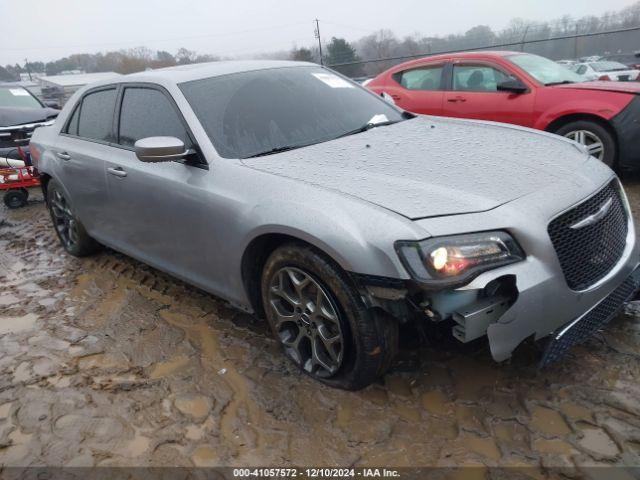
{"x": 455, "y": 260}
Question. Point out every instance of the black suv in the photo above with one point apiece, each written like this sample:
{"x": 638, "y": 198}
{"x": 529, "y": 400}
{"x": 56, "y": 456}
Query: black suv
{"x": 20, "y": 114}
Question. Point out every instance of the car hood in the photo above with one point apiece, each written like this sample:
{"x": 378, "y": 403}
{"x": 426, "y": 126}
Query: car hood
{"x": 10, "y": 116}
{"x": 622, "y": 87}
{"x": 431, "y": 166}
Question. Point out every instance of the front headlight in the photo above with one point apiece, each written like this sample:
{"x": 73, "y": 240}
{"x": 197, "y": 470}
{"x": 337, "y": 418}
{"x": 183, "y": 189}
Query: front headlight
{"x": 455, "y": 260}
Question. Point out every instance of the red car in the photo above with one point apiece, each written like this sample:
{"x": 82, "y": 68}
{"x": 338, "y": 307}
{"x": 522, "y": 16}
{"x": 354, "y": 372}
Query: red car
{"x": 523, "y": 89}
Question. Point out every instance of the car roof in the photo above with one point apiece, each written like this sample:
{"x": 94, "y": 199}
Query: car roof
{"x": 478, "y": 55}
{"x": 197, "y": 71}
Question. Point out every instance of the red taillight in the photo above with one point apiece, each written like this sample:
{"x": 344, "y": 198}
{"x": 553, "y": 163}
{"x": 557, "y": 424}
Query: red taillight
{"x": 605, "y": 78}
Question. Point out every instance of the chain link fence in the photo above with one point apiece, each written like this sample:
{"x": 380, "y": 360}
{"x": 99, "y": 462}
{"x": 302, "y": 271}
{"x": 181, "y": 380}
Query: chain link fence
{"x": 620, "y": 44}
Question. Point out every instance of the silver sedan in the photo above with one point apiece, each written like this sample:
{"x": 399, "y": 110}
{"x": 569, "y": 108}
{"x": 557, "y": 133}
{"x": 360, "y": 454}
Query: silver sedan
{"x": 298, "y": 195}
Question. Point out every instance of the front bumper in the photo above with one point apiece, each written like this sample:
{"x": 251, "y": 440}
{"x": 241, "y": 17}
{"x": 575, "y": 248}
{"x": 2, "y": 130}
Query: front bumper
{"x": 579, "y": 330}
{"x": 627, "y": 127}
{"x": 547, "y": 306}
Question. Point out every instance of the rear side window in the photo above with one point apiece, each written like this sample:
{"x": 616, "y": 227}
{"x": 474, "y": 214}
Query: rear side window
{"x": 425, "y": 78}
{"x": 96, "y": 115}
{"x": 147, "y": 112}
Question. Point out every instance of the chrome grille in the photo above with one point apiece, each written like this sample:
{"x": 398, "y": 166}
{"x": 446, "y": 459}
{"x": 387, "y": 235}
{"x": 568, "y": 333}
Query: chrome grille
{"x": 588, "y": 252}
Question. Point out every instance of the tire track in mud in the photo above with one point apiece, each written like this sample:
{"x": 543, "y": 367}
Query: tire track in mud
{"x": 202, "y": 334}
{"x": 159, "y": 287}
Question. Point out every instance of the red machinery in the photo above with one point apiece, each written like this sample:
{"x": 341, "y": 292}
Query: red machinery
{"x": 16, "y": 181}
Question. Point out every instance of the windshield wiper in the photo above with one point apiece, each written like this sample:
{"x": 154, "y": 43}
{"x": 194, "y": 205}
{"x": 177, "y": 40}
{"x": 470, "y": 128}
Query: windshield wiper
{"x": 563, "y": 82}
{"x": 367, "y": 126}
{"x": 284, "y": 148}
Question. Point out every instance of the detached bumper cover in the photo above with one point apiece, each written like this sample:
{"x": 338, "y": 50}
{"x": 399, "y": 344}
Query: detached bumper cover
{"x": 627, "y": 127}
{"x": 581, "y": 329}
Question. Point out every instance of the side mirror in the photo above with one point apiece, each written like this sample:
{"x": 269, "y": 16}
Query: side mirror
{"x": 160, "y": 149}
{"x": 52, "y": 104}
{"x": 512, "y": 85}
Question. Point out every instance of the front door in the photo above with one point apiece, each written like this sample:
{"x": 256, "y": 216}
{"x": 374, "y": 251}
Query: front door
{"x": 474, "y": 94}
{"x": 157, "y": 211}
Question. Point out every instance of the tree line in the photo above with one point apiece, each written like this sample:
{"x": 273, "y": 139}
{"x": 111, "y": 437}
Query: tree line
{"x": 364, "y": 54}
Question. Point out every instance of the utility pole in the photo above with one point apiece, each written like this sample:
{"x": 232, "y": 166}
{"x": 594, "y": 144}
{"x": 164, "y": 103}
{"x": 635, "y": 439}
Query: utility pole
{"x": 26, "y": 64}
{"x": 317, "y": 33}
{"x": 524, "y": 37}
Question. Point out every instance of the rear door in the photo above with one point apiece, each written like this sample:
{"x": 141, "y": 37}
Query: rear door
{"x": 156, "y": 210}
{"x": 81, "y": 149}
{"x": 419, "y": 89}
{"x": 473, "y": 93}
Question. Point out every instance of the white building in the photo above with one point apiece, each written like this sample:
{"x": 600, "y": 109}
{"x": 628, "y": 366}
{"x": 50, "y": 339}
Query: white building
{"x": 61, "y": 87}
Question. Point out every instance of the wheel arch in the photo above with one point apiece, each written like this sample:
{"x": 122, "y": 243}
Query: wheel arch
{"x": 256, "y": 254}
{"x": 45, "y": 178}
{"x": 560, "y": 122}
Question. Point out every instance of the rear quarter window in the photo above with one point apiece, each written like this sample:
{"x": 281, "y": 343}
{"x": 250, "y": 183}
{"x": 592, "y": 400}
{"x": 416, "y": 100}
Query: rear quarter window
{"x": 72, "y": 126}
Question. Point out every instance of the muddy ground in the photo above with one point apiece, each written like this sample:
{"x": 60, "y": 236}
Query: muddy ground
{"x": 104, "y": 361}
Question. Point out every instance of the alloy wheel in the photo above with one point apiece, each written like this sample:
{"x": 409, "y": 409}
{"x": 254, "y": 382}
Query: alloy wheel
{"x": 590, "y": 140}
{"x": 306, "y": 322}
{"x": 63, "y": 220}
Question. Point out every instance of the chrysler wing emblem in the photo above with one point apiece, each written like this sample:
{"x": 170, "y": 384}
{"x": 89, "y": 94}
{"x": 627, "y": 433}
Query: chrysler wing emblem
{"x": 595, "y": 218}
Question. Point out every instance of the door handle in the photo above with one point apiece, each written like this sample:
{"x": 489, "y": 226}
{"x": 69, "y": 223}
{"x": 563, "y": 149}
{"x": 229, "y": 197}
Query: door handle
{"x": 64, "y": 156}
{"x": 456, "y": 99}
{"x": 118, "y": 172}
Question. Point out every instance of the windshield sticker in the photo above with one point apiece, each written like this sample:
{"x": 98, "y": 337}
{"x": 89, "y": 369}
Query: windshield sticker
{"x": 19, "y": 92}
{"x": 332, "y": 80}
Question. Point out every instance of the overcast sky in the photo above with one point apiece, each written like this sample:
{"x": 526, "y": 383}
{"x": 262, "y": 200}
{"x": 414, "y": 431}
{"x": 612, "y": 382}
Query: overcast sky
{"x": 47, "y": 30}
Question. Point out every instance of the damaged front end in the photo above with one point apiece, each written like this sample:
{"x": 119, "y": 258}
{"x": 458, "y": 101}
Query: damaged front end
{"x": 468, "y": 312}
{"x": 575, "y": 277}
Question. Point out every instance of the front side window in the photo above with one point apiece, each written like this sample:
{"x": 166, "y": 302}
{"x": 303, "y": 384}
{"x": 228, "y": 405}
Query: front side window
{"x": 96, "y": 115}
{"x": 147, "y": 112}
{"x": 264, "y": 111}
{"x": 425, "y": 78}
{"x": 544, "y": 70}
{"x": 477, "y": 78}
{"x": 17, "y": 97}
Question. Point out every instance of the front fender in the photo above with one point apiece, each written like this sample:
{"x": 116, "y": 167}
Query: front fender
{"x": 600, "y": 109}
{"x": 357, "y": 246}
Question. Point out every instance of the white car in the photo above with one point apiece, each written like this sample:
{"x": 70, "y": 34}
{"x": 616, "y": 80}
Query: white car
{"x": 607, "y": 70}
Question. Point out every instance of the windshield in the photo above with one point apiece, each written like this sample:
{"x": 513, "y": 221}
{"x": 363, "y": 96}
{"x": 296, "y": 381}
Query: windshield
{"x": 544, "y": 70}
{"x": 17, "y": 97}
{"x": 265, "y": 111}
{"x": 608, "y": 66}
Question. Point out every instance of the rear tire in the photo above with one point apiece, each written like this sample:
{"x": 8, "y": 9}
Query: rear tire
{"x": 318, "y": 317}
{"x": 72, "y": 234}
{"x": 598, "y": 140}
{"x": 16, "y": 198}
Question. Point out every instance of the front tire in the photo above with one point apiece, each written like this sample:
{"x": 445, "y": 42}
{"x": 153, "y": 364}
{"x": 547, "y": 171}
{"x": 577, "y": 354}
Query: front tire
{"x": 73, "y": 237}
{"x": 316, "y": 314}
{"x": 597, "y": 139}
